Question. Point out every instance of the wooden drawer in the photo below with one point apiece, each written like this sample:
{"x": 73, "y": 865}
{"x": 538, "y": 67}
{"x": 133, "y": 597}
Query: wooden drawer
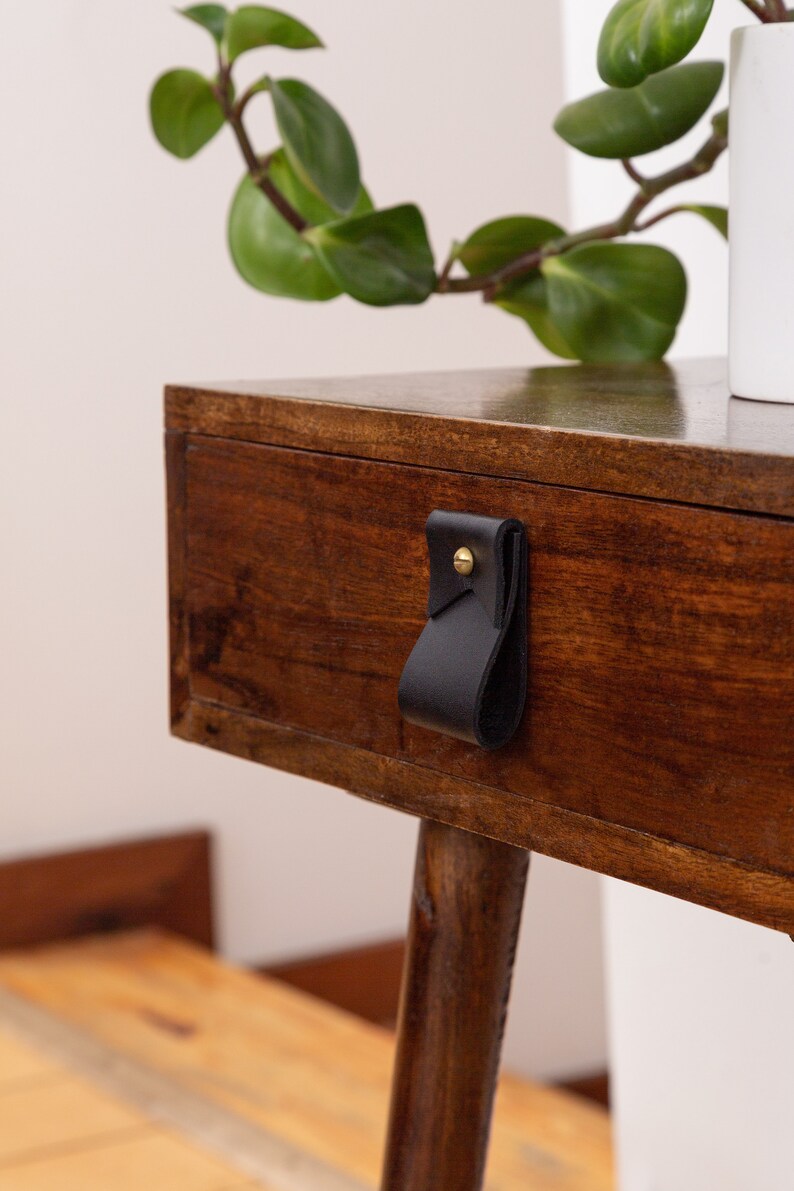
{"x": 656, "y": 744}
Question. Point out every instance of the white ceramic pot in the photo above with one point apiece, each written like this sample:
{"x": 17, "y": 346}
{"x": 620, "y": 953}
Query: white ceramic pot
{"x": 761, "y": 341}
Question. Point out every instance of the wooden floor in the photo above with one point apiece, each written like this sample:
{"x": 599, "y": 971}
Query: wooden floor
{"x": 141, "y": 1062}
{"x": 61, "y": 1133}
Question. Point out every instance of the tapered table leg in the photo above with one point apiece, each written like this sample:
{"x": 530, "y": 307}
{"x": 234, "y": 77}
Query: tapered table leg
{"x": 466, "y": 909}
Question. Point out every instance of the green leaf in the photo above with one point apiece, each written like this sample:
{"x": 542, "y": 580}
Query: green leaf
{"x": 267, "y": 252}
{"x": 317, "y": 142}
{"x": 627, "y": 123}
{"x": 211, "y": 17}
{"x": 642, "y": 37}
{"x": 616, "y": 302}
{"x": 314, "y": 209}
{"x": 184, "y": 112}
{"x": 253, "y": 26}
{"x": 716, "y": 216}
{"x": 528, "y": 298}
{"x": 381, "y": 259}
{"x": 497, "y": 243}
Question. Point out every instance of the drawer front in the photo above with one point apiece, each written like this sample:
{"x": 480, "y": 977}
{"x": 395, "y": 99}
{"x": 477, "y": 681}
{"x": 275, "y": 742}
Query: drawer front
{"x": 661, "y": 641}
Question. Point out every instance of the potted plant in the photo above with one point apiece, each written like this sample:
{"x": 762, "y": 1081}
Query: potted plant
{"x": 302, "y": 224}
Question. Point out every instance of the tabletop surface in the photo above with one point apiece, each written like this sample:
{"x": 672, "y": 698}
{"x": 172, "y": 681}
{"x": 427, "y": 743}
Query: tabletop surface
{"x": 688, "y": 402}
{"x": 669, "y": 431}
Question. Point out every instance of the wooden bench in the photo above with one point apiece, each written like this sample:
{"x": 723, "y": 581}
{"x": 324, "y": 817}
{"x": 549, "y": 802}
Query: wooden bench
{"x": 139, "y": 1060}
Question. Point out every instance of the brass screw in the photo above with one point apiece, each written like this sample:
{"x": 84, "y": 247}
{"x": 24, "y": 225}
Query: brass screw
{"x": 463, "y": 561}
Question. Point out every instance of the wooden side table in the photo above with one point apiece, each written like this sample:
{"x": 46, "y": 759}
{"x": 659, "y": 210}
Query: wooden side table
{"x": 656, "y": 744}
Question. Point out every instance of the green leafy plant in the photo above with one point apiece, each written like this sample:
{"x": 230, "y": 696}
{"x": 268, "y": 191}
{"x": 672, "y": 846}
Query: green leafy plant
{"x": 302, "y": 225}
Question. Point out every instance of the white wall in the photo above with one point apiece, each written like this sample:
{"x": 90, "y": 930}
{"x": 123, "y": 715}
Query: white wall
{"x": 701, "y": 1022}
{"x": 115, "y": 279}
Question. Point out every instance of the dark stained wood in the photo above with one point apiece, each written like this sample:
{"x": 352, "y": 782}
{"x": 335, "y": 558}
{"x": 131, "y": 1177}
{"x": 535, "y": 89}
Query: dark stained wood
{"x": 664, "y": 431}
{"x": 688, "y": 873}
{"x": 656, "y": 746}
{"x": 593, "y": 1087}
{"x": 362, "y": 980}
{"x": 661, "y": 686}
{"x": 163, "y": 882}
{"x": 175, "y": 448}
{"x": 466, "y": 908}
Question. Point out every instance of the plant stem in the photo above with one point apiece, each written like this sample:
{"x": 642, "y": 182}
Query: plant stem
{"x": 449, "y": 263}
{"x": 626, "y": 223}
{"x": 257, "y": 169}
{"x": 632, "y": 171}
{"x": 769, "y": 12}
{"x": 777, "y": 10}
{"x": 490, "y": 284}
{"x": 757, "y": 8}
{"x": 668, "y": 211}
{"x": 245, "y": 99}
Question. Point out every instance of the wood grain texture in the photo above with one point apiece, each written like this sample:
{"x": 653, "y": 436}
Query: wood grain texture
{"x": 148, "y": 1159}
{"x": 61, "y": 1113}
{"x": 164, "y": 881}
{"x": 175, "y": 448}
{"x": 661, "y": 684}
{"x": 229, "y": 1044}
{"x": 656, "y": 745}
{"x": 670, "y": 432}
{"x": 465, "y": 912}
{"x": 688, "y": 873}
{"x": 60, "y": 1131}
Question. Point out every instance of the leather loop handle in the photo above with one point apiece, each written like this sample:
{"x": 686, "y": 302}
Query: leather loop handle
{"x": 467, "y": 674}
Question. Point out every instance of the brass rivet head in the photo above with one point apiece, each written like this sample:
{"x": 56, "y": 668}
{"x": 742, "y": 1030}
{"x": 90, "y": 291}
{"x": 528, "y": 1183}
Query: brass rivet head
{"x": 463, "y": 561}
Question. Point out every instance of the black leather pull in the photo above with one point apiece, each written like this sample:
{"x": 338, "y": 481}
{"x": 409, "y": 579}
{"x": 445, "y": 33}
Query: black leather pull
{"x": 467, "y": 674}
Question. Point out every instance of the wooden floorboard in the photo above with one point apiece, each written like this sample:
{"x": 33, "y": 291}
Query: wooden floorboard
{"x": 287, "y": 1093}
{"x": 61, "y": 1112}
{"x": 153, "y": 1160}
{"x": 61, "y": 1133}
{"x": 20, "y": 1064}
